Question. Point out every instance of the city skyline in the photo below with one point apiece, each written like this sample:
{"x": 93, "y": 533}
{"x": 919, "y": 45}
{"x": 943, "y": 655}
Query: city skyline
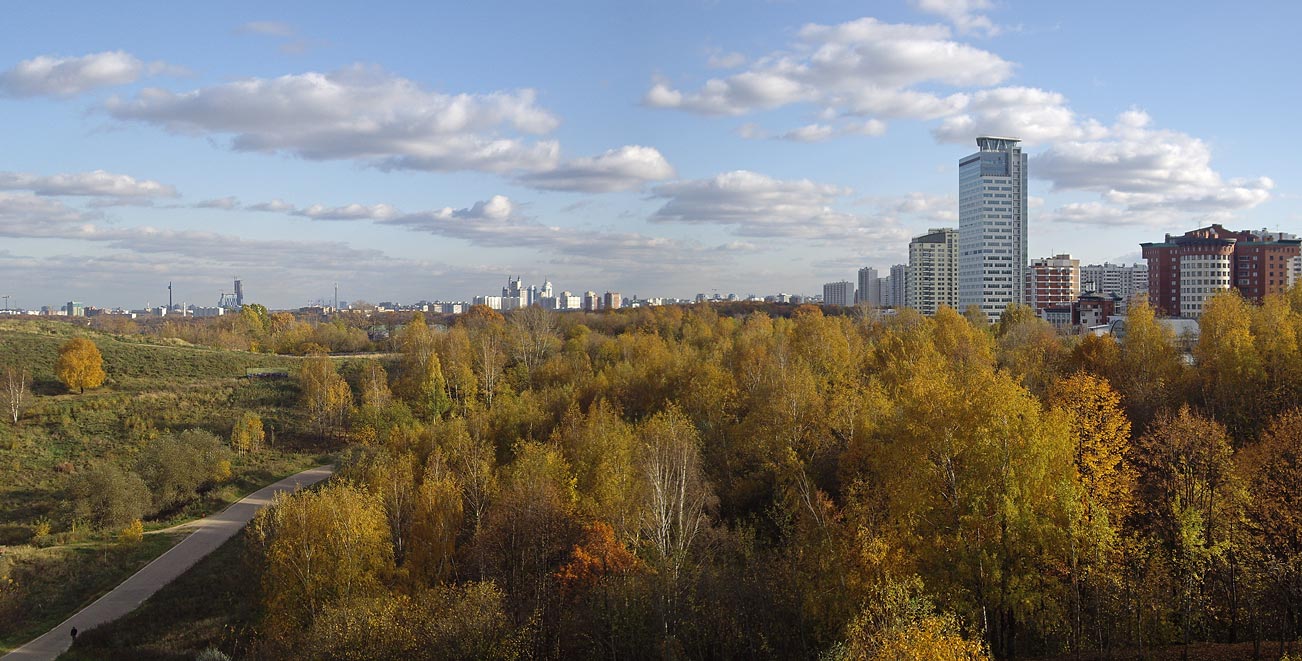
{"x": 662, "y": 151}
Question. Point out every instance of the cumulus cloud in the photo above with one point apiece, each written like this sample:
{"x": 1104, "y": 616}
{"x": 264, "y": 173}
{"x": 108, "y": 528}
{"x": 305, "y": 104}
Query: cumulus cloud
{"x": 722, "y": 60}
{"x": 24, "y": 215}
{"x": 964, "y": 14}
{"x": 95, "y": 183}
{"x": 755, "y": 205}
{"x": 1137, "y": 169}
{"x": 49, "y": 75}
{"x": 625, "y": 168}
{"x": 1032, "y": 114}
{"x": 863, "y": 66}
{"x": 359, "y": 113}
{"x": 348, "y": 212}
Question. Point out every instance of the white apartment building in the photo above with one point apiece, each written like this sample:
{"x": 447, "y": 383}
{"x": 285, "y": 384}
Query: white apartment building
{"x": 933, "y": 271}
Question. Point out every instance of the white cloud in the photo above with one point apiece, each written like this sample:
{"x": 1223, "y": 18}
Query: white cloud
{"x": 1138, "y": 169}
{"x": 755, "y": 205}
{"x": 23, "y": 215}
{"x": 359, "y": 113}
{"x": 276, "y": 206}
{"x": 48, "y": 75}
{"x": 348, "y": 212}
{"x": 964, "y": 14}
{"x": 1032, "y": 114}
{"x": 810, "y": 133}
{"x": 626, "y": 168}
{"x": 228, "y": 203}
{"x": 94, "y": 183}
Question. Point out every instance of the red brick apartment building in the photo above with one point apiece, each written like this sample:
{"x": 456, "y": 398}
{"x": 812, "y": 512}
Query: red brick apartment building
{"x": 1185, "y": 271}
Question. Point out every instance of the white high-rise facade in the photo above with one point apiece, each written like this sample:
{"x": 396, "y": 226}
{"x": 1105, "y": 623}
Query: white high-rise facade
{"x": 992, "y": 226}
{"x": 933, "y": 270}
{"x": 838, "y": 293}
{"x": 870, "y": 287}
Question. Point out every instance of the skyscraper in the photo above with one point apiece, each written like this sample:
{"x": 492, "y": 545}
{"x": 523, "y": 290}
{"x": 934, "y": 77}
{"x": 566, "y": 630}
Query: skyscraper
{"x": 899, "y": 285}
{"x": 933, "y": 270}
{"x": 992, "y": 226}
{"x": 870, "y": 287}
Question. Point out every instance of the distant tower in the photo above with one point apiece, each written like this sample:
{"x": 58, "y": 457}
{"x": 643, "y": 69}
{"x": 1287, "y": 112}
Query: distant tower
{"x": 992, "y": 226}
{"x": 336, "y": 297}
{"x": 239, "y": 294}
{"x": 169, "y": 295}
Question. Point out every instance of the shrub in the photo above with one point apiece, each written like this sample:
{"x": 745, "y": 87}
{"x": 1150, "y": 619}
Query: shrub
{"x": 176, "y": 467}
{"x": 132, "y": 534}
{"x": 108, "y": 496}
{"x": 212, "y": 654}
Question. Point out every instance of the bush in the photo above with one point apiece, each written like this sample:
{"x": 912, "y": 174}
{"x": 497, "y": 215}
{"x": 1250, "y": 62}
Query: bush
{"x": 176, "y": 467}
{"x": 132, "y": 534}
{"x": 108, "y": 496}
{"x": 212, "y": 654}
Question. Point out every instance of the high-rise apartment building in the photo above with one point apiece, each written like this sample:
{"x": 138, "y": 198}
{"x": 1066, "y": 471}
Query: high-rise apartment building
{"x": 1186, "y": 270}
{"x": 838, "y": 293}
{"x": 1052, "y": 282}
{"x": 992, "y": 226}
{"x": 612, "y": 301}
{"x": 591, "y": 301}
{"x": 933, "y": 271}
{"x": 899, "y": 285}
{"x": 1125, "y": 282}
{"x": 870, "y": 288}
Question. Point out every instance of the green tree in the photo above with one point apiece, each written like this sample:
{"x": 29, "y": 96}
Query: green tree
{"x": 80, "y": 365}
{"x": 108, "y": 496}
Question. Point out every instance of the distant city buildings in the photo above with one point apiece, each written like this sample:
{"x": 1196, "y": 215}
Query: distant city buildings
{"x": 838, "y": 293}
{"x": 1185, "y": 271}
{"x": 899, "y": 286}
{"x": 992, "y": 226}
{"x": 1053, "y": 282}
{"x": 870, "y": 287}
{"x": 1124, "y": 282}
{"x": 932, "y": 279}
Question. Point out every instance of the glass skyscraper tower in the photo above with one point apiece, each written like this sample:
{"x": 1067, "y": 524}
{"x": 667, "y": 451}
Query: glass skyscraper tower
{"x": 992, "y": 226}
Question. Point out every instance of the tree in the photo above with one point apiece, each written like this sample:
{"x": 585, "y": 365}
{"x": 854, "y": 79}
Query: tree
{"x": 176, "y": 467}
{"x": 1149, "y": 369}
{"x": 326, "y": 395}
{"x": 108, "y": 496}
{"x": 247, "y": 435}
{"x": 132, "y": 534}
{"x": 80, "y": 365}
{"x": 436, "y": 522}
{"x": 15, "y": 391}
{"x": 318, "y": 548}
{"x": 421, "y": 381}
{"x": 533, "y": 336}
{"x": 1272, "y": 472}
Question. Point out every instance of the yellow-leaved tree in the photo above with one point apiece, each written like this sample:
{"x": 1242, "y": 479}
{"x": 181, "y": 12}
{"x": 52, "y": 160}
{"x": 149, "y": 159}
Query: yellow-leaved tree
{"x": 80, "y": 365}
{"x": 247, "y": 435}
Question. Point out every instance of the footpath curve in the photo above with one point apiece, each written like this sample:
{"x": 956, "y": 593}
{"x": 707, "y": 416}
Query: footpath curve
{"x": 209, "y": 533}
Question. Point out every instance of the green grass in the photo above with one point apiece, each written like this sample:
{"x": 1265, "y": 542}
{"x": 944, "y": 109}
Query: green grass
{"x": 56, "y": 582}
{"x": 214, "y": 603}
{"x": 154, "y": 387}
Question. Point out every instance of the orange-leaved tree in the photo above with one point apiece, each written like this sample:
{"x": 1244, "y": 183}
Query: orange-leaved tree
{"x": 80, "y": 365}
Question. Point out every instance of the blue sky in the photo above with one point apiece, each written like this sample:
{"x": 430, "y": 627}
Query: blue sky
{"x": 412, "y": 151}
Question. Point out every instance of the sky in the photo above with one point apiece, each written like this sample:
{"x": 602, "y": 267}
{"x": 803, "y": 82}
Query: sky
{"x": 428, "y": 151}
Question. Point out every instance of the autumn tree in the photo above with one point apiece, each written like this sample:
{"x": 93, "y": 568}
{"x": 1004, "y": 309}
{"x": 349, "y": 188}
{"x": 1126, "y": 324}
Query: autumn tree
{"x": 15, "y": 391}
{"x": 487, "y": 334}
{"x": 1272, "y": 472}
{"x": 319, "y": 547}
{"x": 533, "y": 336}
{"x": 247, "y": 435}
{"x": 436, "y": 522}
{"x": 80, "y": 365}
{"x": 326, "y": 395}
{"x": 1149, "y": 370}
{"x": 421, "y": 379}
{"x": 1230, "y": 373}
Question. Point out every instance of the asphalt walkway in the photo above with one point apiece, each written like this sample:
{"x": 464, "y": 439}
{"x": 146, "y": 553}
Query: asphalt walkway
{"x": 209, "y": 533}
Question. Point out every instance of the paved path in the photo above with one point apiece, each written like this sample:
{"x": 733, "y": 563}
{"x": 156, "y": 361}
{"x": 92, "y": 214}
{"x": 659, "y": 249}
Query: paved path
{"x": 209, "y": 533}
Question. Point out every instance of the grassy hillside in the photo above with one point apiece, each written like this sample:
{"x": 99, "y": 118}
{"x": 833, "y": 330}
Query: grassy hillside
{"x": 153, "y": 388}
